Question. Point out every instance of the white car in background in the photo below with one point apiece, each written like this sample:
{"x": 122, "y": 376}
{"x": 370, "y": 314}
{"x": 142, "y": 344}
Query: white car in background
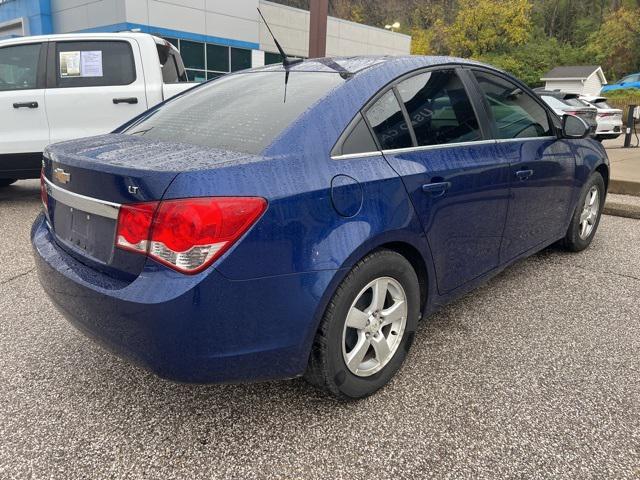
{"x": 61, "y": 87}
{"x": 609, "y": 119}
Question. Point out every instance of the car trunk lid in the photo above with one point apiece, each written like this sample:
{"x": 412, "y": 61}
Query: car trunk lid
{"x": 87, "y": 181}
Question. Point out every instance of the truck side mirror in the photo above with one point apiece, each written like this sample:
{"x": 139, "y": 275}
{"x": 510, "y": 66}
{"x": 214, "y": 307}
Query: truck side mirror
{"x": 574, "y": 127}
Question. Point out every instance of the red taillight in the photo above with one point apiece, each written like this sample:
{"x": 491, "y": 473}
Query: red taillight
{"x": 134, "y": 225}
{"x": 186, "y": 234}
{"x": 602, "y": 115}
{"x": 44, "y": 197}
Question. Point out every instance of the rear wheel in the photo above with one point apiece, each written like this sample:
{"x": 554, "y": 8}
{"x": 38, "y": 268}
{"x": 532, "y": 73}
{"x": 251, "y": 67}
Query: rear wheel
{"x": 367, "y": 328}
{"x": 5, "y": 182}
{"x": 586, "y": 217}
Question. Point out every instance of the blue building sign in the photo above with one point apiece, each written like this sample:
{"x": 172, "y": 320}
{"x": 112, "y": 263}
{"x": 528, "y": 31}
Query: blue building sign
{"x": 34, "y": 17}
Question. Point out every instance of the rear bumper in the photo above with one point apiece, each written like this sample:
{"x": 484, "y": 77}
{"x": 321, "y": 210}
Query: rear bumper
{"x": 609, "y": 127}
{"x": 203, "y": 328}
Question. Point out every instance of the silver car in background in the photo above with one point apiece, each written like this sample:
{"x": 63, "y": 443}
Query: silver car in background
{"x": 609, "y": 119}
{"x": 564, "y": 103}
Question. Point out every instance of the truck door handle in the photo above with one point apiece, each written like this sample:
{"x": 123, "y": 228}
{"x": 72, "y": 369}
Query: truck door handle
{"x": 436, "y": 189}
{"x": 524, "y": 174}
{"x": 131, "y": 100}
{"x": 26, "y": 105}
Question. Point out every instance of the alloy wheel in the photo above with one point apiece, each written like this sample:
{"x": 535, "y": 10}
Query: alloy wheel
{"x": 374, "y": 326}
{"x": 589, "y": 214}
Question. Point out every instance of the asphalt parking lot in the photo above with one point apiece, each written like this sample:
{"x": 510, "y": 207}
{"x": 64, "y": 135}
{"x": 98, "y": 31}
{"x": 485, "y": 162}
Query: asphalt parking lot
{"x": 535, "y": 375}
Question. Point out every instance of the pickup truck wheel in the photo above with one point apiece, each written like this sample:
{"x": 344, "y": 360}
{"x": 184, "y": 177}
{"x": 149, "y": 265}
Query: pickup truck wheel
{"x": 586, "y": 217}
{"x": 5, "y": 182}
{"x": 368, "y": 327}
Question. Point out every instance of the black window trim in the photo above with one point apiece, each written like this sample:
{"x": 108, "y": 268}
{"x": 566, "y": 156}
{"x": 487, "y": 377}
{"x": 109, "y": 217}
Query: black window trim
{"x": 551, "y": 116}
{"x": 471, "y": 89}
{"x": 41, "y": 65}
{"x": 52, "y": 72}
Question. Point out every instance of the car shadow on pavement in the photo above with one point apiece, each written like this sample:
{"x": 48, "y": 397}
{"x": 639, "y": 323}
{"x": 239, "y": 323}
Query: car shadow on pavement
{"x": 28, "y": 190}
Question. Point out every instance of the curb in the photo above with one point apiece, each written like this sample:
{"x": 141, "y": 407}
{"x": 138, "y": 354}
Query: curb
{"x": 622, "y": 210}
{"x": 624, "y": 187}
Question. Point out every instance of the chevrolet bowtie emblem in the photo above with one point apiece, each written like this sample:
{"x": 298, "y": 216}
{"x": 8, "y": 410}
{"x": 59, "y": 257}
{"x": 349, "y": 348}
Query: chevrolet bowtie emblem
{"x": 61, "y": 176}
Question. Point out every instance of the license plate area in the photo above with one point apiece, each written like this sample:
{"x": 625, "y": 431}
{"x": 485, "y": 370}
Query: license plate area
{"x": 91, "y": 234}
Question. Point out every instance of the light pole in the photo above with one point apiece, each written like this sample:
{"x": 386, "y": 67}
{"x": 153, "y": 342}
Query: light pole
{"x": 319, "y": 10}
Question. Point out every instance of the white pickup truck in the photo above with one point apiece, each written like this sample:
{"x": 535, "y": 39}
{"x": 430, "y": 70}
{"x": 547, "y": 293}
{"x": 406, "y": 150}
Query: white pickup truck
{"x": 61, "y": 87}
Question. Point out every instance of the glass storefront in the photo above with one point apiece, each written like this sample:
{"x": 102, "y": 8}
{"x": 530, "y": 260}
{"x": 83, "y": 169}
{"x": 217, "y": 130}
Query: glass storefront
{"x": 204, "y": 61}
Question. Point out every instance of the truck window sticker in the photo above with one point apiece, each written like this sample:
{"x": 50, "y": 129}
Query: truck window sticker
{"x": 81, "y": 64}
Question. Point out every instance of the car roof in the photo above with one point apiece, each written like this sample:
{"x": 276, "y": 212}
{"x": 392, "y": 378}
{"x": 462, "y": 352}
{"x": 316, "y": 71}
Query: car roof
{"x": 356, "y": 64}
{"x": 80, "y": 36}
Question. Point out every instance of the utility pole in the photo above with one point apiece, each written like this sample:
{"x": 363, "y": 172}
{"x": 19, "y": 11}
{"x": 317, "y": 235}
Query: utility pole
{"x": 318, "y": 28}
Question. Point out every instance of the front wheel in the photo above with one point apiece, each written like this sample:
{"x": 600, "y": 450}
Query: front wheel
{"x": 586, "y": 217}
{"x": 368, "y": 327}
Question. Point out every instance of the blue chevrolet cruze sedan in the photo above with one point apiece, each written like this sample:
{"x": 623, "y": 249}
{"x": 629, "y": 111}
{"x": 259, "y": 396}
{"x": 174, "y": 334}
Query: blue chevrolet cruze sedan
{"x": 301, "y": 219}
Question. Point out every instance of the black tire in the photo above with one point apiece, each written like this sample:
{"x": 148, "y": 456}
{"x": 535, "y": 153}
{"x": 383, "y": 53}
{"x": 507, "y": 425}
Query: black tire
{"x": 5, "y": 182}
{"x": 327, "y": 369}
{"x": 572, "y": 240}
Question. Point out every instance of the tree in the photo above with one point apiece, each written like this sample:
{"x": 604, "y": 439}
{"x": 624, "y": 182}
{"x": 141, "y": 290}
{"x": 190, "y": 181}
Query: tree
{"x": 616, "y": 45}
{"x": 483, "y": 26}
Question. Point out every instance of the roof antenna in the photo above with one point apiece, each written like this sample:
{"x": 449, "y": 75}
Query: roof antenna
{"x": 286, "y": 60}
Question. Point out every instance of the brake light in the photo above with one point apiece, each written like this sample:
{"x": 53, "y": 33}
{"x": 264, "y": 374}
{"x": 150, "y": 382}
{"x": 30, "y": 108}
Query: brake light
{"x": 602, "y": 115}
{"x": 44, "y": 196}
{"x": 570, "y": 112}
{"x": 187, "y": 234}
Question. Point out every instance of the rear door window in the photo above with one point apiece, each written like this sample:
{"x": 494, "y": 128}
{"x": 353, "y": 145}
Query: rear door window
{"x": 439, "y": 108}
{"x": 242, "y": 112}
{"x": 94, "y": 64}
{"x": 388, "y": 122}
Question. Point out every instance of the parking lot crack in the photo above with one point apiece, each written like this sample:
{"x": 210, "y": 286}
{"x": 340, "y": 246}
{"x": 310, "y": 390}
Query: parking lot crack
{"x": 611, "y": 272}
{"x": 15, "y": 277}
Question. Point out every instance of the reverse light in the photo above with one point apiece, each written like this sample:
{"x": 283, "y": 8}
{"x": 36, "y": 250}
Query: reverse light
{"x": 186, "y": 234}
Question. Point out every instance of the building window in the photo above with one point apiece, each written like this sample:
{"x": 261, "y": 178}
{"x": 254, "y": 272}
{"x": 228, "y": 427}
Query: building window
{"x": 192, "y": 54}
{"x": 217, "y": 58}
{"x": 206, "y": 61}
{"x": 271, "y": 58}
{"x": 240, "y": 59}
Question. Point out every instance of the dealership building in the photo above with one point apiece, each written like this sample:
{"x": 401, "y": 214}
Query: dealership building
{"x": 214, "y": 36}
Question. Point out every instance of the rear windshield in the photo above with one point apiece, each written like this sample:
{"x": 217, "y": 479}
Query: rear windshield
{"x": 576, "y": 102}
{"x": 553, "y": 102}
{"x": 601, "y": 104}
{"x": 242, "y": 112}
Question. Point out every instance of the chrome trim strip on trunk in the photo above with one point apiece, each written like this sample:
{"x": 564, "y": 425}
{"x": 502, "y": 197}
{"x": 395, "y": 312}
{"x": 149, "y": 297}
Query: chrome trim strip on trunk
{"x": 81, "y": 202}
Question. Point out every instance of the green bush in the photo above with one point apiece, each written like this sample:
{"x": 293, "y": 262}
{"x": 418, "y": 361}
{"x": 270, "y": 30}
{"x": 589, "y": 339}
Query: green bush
{"x": 622, "y": 99}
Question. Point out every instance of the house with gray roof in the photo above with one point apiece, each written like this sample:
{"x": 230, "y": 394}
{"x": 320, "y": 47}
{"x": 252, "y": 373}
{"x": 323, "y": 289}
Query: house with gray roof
{"x": 584, "y": 80}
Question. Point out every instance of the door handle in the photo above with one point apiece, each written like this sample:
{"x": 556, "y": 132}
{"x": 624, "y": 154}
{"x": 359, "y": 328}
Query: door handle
{"x": 131, "y": 100}
{"x": 436, "y": 189}
{"x": 26, "y": 105}
{"x": 524, "y": 174}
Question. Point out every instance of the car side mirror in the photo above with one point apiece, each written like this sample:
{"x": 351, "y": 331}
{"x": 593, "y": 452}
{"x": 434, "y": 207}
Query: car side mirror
{"x": 574, "y": 127}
